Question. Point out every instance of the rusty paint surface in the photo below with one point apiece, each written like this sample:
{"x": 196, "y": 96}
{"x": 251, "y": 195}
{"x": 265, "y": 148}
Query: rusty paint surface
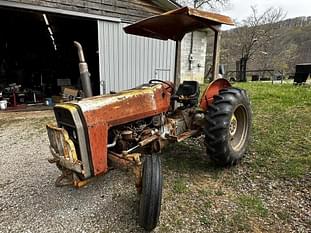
{"x": 103, "y": 112}
{"x": 212, "y": 90}
{"x": 186, "y": 135}
{"x": 61, "y": 144}
{"x": 81, "y": 183}
{"x": 175, "y": 24}
{"x": 119, "y": 162}
{"x": 98, "y": 137}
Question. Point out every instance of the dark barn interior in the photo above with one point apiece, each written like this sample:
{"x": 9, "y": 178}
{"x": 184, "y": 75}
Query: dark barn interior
{"x": 37, "y": 55}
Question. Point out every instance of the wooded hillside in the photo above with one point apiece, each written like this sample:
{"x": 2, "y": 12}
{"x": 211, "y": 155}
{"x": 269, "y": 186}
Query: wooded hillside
{"x": 291, "y": 45}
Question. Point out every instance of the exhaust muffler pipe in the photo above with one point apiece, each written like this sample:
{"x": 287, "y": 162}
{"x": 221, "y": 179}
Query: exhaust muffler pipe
{"x": 84, "y": 72}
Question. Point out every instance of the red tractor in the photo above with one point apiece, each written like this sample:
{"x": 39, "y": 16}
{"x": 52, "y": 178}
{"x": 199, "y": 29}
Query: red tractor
{"x": 130, "y": 128}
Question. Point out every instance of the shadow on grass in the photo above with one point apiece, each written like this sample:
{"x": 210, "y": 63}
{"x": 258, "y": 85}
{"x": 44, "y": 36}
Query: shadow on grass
{"x": 186, "y": 157}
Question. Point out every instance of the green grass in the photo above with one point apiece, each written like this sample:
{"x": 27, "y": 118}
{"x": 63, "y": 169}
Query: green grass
{"x": 219, "y": 192}
{"x": 281, "y": 135}
{"x": 186, "y": 157}
{"x": 252, "y": 205}
{"x": 180, "y": 185}
{"x": 256, "y": 195}
{"x": 205, "y": 220}
{"x": 281, "y": 139}
{"x": 240, "y": 222}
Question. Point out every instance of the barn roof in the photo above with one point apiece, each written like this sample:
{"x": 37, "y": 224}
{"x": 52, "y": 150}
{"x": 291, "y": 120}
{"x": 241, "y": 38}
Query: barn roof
{"x": 167, "y": 4}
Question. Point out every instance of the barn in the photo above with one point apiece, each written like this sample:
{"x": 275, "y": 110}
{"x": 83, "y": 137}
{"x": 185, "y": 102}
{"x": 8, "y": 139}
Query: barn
{"x": 38, "y": 59}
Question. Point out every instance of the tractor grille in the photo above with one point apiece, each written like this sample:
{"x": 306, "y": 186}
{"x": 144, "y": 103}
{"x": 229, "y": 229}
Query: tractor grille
{"x": 65, "y": 120}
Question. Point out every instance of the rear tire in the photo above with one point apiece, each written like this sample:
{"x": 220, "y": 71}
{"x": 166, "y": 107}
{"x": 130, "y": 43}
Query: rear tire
{"x": 227, "y": 133}
{"x": 151, "y": 195}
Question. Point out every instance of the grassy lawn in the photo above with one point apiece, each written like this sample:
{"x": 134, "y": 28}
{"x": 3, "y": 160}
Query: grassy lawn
{"x": 281, "y": 129}
{"x": 269, "y": 191}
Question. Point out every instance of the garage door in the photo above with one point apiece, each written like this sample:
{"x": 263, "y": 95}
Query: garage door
{"x": 127, "y": 61}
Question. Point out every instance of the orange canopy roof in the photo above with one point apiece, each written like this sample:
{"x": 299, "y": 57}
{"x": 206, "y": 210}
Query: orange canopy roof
{"x": 176, "y": 23}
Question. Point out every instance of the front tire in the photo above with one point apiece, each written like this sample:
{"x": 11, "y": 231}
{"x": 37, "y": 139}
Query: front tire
{"x": 151, "y": 195}
{"x": 227, "y": 133}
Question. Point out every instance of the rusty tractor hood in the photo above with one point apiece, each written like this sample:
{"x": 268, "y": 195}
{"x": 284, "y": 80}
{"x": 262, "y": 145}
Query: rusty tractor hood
{"x": 176, "y": 23}
{"x": 125, "y": 106}
{"x": 98, "y": 114}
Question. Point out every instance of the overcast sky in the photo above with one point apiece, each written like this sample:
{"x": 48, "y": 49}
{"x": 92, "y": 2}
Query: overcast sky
{"x": 240, "y": 9}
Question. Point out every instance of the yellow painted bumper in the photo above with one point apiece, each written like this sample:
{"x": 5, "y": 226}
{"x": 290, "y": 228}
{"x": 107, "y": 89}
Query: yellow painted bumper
{"x": 63, "y": 149}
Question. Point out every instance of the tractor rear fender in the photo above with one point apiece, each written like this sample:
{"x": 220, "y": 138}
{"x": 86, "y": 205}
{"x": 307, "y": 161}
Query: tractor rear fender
{"x": 212, "y": 90}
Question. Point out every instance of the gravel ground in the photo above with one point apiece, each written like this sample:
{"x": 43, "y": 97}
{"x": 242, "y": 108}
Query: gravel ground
{"x": 197, "y": 196}
{"x": 29, "y": 201}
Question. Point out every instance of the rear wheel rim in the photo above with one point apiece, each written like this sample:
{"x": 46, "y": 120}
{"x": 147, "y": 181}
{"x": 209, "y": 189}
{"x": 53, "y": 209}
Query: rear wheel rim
{"x": 238, "y": 128}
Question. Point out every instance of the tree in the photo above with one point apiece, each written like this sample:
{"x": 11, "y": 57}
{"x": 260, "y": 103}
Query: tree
{"x": 286, "y": 59}
{"x": 255, "y": 34}
{"x": 211, "y": 4}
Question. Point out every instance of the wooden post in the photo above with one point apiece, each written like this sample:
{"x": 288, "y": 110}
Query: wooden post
{"x": 177, "y": 64}
{"x": 216, "y": 54}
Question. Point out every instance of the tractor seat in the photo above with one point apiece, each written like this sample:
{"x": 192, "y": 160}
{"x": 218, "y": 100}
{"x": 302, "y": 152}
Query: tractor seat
{"x": 188, "y": 93}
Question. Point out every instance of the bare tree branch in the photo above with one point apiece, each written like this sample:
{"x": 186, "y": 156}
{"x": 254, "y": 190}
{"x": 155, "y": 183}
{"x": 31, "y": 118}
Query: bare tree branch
{"x": 253, "y": 36}
{"x": 257, "y": 30}
{"x": 207, "y": 4}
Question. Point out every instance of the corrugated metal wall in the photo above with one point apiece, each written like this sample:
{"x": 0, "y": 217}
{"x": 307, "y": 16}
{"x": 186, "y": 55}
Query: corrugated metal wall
{"x": 127, "y": 61}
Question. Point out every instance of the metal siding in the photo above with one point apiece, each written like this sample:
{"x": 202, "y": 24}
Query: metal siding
{"x": 127, "y": 61}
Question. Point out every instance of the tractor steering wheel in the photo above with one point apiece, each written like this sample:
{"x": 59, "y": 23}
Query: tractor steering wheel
{"x": 161, "y": 81}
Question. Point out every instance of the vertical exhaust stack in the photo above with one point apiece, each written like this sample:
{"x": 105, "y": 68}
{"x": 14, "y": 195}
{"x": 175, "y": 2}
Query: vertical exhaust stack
{"x": 84, "y": 72}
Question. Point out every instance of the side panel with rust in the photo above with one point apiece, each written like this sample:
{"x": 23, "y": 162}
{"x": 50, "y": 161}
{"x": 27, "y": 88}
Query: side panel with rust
{"x": 103, "y": 112}
{"x": 98, "y": 137}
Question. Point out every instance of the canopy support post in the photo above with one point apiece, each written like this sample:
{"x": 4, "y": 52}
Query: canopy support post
{"x": 216, "y": 54}
{"x": 177, "y": 64}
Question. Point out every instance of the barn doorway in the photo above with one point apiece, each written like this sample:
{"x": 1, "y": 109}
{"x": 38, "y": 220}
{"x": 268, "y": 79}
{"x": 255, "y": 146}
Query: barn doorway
{"x": 37, "y": 56}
